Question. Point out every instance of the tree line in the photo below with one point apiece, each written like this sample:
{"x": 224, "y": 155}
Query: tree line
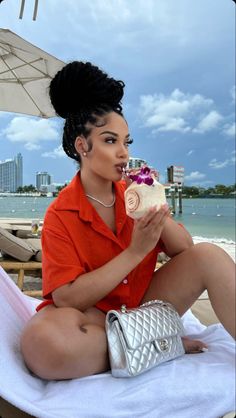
{"x": 188, "y": 191}
{"x": 219, "y": 190}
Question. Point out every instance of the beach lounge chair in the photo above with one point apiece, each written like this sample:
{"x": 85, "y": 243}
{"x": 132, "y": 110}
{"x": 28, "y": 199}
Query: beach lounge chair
{"x": 179, "y": 389}
{"x": 189, "y": 386}
{"x": 20, "y": 253}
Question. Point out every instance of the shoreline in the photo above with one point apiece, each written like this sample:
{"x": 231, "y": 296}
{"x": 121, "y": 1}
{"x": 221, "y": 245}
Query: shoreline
{"x": 227, "y": 245}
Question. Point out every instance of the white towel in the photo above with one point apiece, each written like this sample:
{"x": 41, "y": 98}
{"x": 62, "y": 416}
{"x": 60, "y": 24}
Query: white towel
{"x": 200, "y": 385}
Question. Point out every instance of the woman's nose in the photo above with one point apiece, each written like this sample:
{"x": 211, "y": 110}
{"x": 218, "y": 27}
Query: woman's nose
{"x": 122, "y": 150}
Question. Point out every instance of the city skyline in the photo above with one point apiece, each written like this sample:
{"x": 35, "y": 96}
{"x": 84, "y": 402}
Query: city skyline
{"x": 43, "y": 179}
{"x": 177, "y": 60}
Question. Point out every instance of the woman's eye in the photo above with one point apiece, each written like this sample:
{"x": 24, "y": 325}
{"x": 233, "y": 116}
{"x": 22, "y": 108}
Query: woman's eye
{"x": 129, "y": 142}
{"x": 110, "y": 140}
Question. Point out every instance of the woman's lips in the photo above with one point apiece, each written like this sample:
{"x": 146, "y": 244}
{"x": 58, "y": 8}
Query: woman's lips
{"x": 120, "y": 169}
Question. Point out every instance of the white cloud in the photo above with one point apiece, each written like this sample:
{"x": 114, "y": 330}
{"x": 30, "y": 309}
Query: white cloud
{"x": 195, "y": 178}
{"x": 233, "y": 93}
{"x": 190, "y": 152}
{"x": 56, "y": 153}
{"x": 230, "y": 130}
{"x": 31, "y": 146}
{"x": 31, "y": 132}
{"x": 163, "y": 24}
{"x": 208, "y": 122}
{"x": 176, "y": 112}
{"x": 195, "y": 175}
{"x": 205, "y": 183}
{"x": 217, "y": 165}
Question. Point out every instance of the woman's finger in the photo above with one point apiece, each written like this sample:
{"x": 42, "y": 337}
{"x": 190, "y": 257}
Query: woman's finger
{"x": 159, "y": 217}
{"x": 146, "y": 219}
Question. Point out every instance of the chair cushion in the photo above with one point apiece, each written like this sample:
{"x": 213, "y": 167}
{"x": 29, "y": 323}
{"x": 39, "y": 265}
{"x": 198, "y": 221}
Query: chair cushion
{"x": 35, "y": 243}
{"x": 15, "y": 247}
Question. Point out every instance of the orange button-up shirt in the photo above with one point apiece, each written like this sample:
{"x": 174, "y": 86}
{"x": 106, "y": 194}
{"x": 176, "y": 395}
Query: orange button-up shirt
{"x": 75, "y": 240}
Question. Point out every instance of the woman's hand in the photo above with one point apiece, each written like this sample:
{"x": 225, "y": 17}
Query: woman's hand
{"x": 147, "y": 231}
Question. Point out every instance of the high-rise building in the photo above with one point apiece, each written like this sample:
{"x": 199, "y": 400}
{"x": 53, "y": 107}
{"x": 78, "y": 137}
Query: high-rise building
{"x": 43, "y": 179}
{"x": 19, "y": 170}
{"x": 175, "y": 174}
{"x": 136, "y": 163}
{"x": 11, "y": 174}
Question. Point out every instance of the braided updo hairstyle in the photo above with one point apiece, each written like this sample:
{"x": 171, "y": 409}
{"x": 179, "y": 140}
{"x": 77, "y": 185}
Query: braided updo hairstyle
{"x": 82, "y": 93}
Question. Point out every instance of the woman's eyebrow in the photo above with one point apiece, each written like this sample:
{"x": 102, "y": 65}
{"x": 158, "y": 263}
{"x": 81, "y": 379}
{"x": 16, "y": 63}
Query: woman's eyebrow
{"x": 112, "y": 133}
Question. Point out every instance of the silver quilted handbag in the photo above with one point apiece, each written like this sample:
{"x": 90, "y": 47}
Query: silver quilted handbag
{"x": 143, "y": 337}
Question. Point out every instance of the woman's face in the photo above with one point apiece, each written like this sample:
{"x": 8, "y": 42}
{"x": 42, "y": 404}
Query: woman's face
{"x": 109, "y": 154}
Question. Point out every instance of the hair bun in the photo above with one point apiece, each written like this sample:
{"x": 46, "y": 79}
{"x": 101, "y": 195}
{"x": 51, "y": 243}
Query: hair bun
{"x": 81, "y": 86}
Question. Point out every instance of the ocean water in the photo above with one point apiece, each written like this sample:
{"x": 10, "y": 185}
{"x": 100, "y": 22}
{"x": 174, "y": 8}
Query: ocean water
{"x": 212, "y": 219}
{"x": 209, "y": 218}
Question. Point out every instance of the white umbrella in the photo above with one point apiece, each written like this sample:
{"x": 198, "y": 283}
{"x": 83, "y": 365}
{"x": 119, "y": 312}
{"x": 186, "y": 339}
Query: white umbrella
{"x": 25, "y": 74}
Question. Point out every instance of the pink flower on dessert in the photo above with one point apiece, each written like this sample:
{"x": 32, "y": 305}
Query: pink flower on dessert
{"x": 143, "y": 176}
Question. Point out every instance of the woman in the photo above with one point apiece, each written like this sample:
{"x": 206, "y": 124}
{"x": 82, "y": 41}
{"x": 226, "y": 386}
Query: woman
{"x": 95, "y": 258}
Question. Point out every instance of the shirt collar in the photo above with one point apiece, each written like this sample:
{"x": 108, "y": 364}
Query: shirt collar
{"x": 73, "y": 198}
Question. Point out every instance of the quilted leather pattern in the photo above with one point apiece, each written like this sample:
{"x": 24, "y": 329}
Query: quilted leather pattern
{"x": 142, "y": 338}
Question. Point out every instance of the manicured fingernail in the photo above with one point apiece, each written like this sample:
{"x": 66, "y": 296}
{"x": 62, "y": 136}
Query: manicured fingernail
{"x": 204, "y": 349}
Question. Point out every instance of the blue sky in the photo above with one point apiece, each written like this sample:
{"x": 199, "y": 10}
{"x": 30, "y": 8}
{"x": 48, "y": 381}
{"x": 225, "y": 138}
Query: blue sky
{"x": 177, "y": 59}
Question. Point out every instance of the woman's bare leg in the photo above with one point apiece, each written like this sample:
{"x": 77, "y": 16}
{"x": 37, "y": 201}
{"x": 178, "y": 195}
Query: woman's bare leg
{"x": 64, "y": 343}
{"x": 201, "y": 267}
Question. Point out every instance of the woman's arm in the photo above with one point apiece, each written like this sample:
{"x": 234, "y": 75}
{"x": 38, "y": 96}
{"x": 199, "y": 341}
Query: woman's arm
{"x": 89, "y": 288}
{"x": 175, "y": 238}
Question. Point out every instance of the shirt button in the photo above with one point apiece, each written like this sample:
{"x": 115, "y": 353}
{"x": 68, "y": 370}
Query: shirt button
{"x": 125, "y": 281}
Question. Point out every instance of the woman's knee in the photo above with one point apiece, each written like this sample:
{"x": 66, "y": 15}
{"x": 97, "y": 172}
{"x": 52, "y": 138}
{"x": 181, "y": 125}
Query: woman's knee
{"x": 205, "y": 251}
{"x": 41, "y": 348}
{"x": 55, "y": 344}
{"x": 209, "y": 261}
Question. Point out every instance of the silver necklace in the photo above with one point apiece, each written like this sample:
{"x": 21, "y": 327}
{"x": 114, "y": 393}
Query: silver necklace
{"x": 101, "y": 203}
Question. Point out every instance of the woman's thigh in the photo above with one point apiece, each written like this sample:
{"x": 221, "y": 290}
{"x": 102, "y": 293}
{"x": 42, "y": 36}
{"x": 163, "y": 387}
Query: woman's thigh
{"x": 179, "y": 281}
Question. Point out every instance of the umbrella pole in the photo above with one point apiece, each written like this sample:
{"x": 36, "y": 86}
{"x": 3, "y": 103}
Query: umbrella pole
{"x": 35, "y": 9}
{"x": 22, "y": 9}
